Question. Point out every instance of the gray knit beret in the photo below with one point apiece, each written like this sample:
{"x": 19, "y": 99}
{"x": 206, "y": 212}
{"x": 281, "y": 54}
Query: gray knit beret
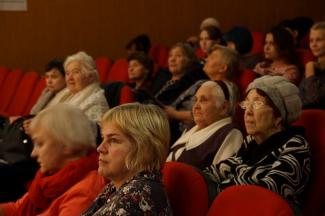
{"x": 283, "y": 93}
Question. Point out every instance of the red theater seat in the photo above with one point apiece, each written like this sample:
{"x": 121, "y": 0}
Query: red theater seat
{"x": 119, "y": 71}
{"x": 103, "y": 65}
{"x": 39, "y": 86}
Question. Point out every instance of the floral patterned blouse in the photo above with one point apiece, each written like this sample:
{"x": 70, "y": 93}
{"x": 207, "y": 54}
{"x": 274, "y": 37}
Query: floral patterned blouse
{"x": 144, "y": 194}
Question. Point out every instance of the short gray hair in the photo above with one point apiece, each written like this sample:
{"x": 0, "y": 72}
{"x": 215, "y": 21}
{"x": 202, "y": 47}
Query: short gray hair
{"x": 147, "y": 127}
{"x": 68, "y": 125}
{"x": 188, "y": 53}
{"x": 87, "y": 63}
{"x": 230, "y": 58}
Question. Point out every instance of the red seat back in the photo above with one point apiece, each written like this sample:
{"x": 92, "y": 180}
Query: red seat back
{"x": 39, "y": 86}
{"x": 8, "y": 89}
{"x": 249, "y": 200}
{"x": 304, "y": 56}
{"x": 314, "y": 122}
{"x": 126, "y": 95}
{"x": 186, "y": 189}
{"x": 258, "y": 42}
{"x": 119, "y": 71}
{"x": 3, "y": 74}
{"x": 245, "y": 77}
{"x": 103, "y": 65}
{"x": 159, "y": 54}
{"x": 23, "y": 93}
{"x": 199, "y": 53}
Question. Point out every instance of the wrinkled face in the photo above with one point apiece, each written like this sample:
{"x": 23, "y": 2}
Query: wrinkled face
{"x": 206, "y": 109}
{"x": 136, "y": 71}
{"x": 270, "y": 49}
{"x": 260, "y": 120}
{"x": 205, "y": 41}
{"x": 76, "y": 80}
{"x": 317, "y": 42}
{"x": 55, "y": 81}
{"x": 177, "y": 61}
{"x": 214, "y": 64}
{"x": 48, "y": 152}
{"x": 113, "y": 152}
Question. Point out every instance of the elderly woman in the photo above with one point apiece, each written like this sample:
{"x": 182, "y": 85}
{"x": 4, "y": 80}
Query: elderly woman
{"x": 221, "y": 64}
{"x": 280, "y": 56}
{"x": 83, "y": 89}
{"x": 184, "y": 69}
{"x": 274, "y": 155}
{"x": 214, "y": 137}
{"x": 65, "y": 151}
{"x": 131, "y": 156}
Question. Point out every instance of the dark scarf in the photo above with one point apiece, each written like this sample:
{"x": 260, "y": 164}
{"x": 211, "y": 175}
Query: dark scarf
{"x": 44, "y": 189}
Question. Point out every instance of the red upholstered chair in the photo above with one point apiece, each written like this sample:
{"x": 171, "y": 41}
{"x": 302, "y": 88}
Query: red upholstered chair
{"x": 23, "y": 94}
{"x": 186, "y": 189}
{"x": 119, "y": 71}
{"x": 249, "y": 200}
{"x": 258, "y": 42}
{"x": 126, "y": 95}
{"x": 314, "y": 122}
{"x": 159, "y": 54}
{"x": 8, "y": 89}
{"x": 245, "y": 77}
{"x": 199, "y": 53}
{"x": 103, "y": 65}
{"x": 304, "y": 56}
{"x": 3, "y": 74}
{"x": 39, "y": 86}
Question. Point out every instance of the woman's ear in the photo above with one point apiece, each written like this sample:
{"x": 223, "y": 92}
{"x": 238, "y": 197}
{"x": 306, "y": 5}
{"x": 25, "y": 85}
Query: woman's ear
{"x": 278, "y": 122}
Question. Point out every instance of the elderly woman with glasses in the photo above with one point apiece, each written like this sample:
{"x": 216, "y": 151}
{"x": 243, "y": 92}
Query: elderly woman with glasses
{"x": 274, "y": 155}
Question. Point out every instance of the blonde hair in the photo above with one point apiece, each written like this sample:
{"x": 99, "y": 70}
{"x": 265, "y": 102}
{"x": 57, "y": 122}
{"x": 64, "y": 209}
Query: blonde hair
{"x": 319, "y": 26}
{"x": 147, "y": 127}
{"x": 87, "y": 63}
{"x": 67, "y": 125}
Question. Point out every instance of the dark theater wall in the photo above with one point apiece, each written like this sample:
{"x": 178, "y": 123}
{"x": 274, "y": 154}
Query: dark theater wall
{"x": 102, "y": 27}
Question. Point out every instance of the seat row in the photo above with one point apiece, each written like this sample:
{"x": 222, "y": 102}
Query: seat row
{"x": 188, "y": 192}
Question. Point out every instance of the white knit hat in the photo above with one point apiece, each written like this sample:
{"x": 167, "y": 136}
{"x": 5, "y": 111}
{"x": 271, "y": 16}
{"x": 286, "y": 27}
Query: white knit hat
{"x": 283, "y": 93}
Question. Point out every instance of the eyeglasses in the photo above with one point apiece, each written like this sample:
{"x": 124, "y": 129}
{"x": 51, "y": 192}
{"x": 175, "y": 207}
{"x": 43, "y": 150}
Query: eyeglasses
{"x": 255, "y": 104}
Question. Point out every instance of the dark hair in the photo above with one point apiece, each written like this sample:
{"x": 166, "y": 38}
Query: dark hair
{"x": 141, "y": 43}
{"x": 241, "y": 37}
{"x": 55, "y": 64}
{"x": 284, "y": 43}
{"x": 303, "y": 25}
{"x": 213, "y": 32}
{"x": 144, "y": 60}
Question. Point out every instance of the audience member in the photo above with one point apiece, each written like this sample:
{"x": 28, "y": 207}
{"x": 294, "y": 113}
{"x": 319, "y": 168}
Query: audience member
{"x": 209, "y": 21}
{"x": 221, "y": 64}
{"x": 312, "y": 87}
{"x": 83, "y": 89}
{"x": 214, "y": 137}
{"x": 239, "y": 38}
{"x": 64, "y": 146}
{"x": 183, "y": 70}
{"x": 273, "y": 155}
{"x": 17, "y": 168}
{"x": 209, "y": 36}
{"x": 140, "y": 43}
{"x": 131, "y": 156}
{"x": 280, "y": 56}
